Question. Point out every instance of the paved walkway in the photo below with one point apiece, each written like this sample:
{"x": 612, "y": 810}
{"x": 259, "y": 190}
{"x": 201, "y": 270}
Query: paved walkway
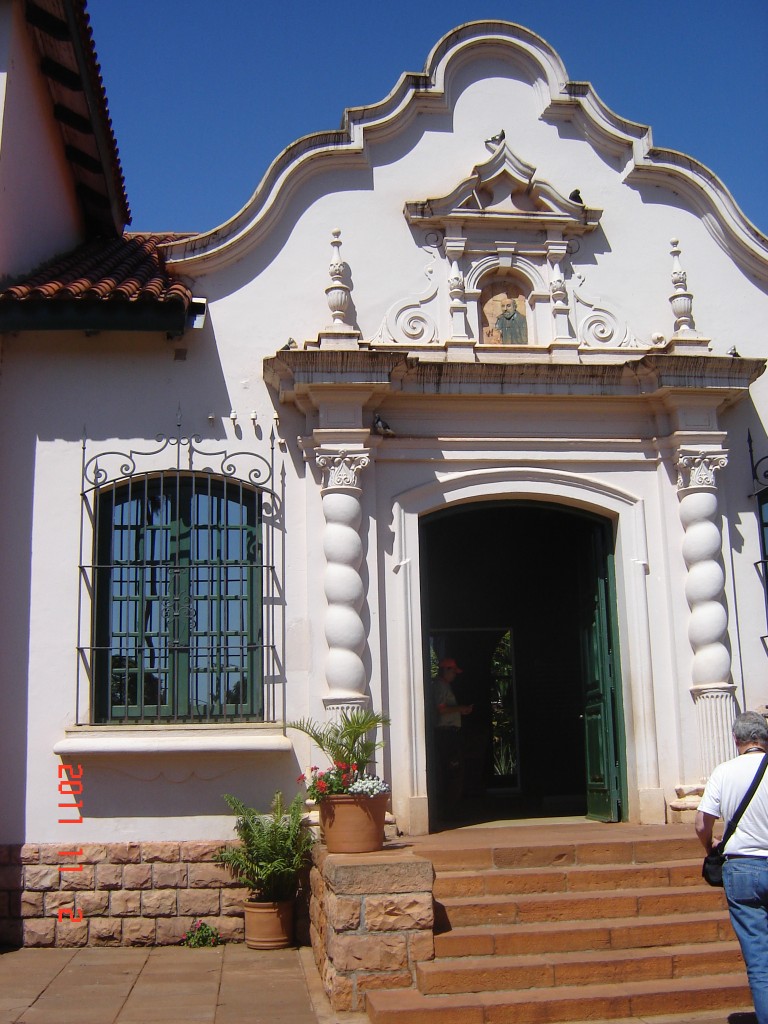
{"x": 164, "y": 985}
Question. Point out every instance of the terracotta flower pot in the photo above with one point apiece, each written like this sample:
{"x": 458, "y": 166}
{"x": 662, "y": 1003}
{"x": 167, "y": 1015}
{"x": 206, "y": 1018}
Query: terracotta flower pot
{"x": 353, "y": 824}
{"x": 268, "y": 925}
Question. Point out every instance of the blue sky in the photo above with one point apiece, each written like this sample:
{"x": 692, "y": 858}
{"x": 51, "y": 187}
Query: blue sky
{"x": 204, "y": 95}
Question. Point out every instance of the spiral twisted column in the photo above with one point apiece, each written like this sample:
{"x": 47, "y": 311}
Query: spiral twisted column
{"x": 344, "y": 630}
{"x": 712, "y": 689}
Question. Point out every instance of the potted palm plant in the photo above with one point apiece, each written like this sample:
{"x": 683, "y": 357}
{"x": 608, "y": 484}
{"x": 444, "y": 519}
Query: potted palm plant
{"x": 352, "y": 803}
{"x": 273, "y": 849}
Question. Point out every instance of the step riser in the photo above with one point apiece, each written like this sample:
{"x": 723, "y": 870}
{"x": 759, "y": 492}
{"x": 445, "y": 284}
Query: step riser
{"x": 588, "y": 908}
{"x": 555, "y": 1010}
{"x": 498, "y": 882}
{"x": 565, "y": 855}
{"x": 616, "y": 1007}
{"x": 510, "y": 942}
{"x": 456, "y": 977}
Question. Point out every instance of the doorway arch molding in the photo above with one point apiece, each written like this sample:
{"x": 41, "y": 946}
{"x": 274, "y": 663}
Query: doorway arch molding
{"x": 572, "y": 491}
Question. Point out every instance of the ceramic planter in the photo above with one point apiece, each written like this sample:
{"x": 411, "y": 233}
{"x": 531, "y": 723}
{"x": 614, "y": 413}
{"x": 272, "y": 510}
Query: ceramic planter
{"x": 268, "y": 925}
{"x": 352, "y": 823}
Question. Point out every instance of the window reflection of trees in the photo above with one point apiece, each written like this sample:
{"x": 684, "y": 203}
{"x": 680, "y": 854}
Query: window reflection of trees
{"x": 503, "y": 711}
{"x": 178, "y": 599}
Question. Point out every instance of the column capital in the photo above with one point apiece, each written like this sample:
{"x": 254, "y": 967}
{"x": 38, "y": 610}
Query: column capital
{"x": 697, "y": 469}
{"x": 342, "y": 467}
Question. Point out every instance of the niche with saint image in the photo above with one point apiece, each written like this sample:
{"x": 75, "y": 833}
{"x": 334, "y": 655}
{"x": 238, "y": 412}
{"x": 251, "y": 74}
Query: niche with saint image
{"x": 503, "y": 312}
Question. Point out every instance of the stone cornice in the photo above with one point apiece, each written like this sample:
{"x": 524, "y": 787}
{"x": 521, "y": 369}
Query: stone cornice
{"x": 295, "y": 374}
{"x": 416, "y": 93}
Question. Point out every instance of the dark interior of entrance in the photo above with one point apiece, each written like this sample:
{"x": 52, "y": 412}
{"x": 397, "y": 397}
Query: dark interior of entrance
{"x": 503, "y": 597}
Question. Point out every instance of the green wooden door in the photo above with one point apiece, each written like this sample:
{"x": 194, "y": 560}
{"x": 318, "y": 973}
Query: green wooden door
{"x": 602, "y": 712}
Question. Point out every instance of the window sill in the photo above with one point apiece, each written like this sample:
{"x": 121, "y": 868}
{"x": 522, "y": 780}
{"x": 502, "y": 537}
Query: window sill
{"x": 160, "y": 739}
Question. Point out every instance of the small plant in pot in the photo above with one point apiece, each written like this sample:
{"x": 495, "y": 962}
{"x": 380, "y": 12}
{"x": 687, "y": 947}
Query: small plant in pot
{"x": 352, "y": 803}
{"x": 272, "y": 852}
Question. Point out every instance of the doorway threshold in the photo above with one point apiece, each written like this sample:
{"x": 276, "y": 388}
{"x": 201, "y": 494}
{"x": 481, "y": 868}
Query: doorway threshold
{"x": 513, "y": 822}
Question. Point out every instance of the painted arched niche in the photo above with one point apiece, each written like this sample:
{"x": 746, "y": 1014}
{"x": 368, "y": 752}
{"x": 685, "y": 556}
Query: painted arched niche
{"x": 503, "y": 309}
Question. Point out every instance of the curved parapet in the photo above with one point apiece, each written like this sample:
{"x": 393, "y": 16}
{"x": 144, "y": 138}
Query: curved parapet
{"x": 430, "y": 92}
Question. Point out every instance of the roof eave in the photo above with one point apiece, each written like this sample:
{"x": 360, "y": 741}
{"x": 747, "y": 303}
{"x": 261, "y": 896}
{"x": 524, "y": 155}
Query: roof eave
{"x": 97, "y": 174}
{"x": 170, "y": 318}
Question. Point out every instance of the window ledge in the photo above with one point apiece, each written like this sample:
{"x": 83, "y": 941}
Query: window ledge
{"x": 160, "y": 739}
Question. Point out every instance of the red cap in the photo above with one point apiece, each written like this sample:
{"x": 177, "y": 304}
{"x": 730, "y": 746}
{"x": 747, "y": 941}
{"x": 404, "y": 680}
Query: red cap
{"x": 450, "y": 663}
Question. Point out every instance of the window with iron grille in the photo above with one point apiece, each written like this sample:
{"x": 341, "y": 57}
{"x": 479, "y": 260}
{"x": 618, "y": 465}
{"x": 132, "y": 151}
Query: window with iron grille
{"x": 179, "y": 594}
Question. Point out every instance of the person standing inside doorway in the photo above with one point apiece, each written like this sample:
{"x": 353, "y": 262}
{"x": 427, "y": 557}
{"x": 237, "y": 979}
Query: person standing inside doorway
{"x": 745, "y": 872}
{"x": 448, "y": 716}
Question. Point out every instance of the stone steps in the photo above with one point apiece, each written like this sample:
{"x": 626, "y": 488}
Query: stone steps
{"x": 617, "y": 933}
{"x": 458, "y": 911}
{"x": 574, "y": 930}
{"x": 582, "y": 967}
{"x": 509, "y": 852}
{"x": 574, "y": 879}
{"x": 623, "y": 1001}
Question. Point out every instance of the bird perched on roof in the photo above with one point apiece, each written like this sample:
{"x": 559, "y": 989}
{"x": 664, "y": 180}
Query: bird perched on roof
{"x": 496, "y": 140}
{"x": 575, "y": 197}
{"x": 732, "y": 351}
{"x": 291, "y": 343}
{"x": 382, "y": 427}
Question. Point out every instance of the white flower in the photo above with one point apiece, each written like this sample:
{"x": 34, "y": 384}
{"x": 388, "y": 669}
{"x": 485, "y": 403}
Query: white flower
{"x": 368, "y": 785}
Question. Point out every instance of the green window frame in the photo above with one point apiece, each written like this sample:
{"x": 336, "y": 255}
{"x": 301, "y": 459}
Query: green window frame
{"x": 178, "y": 600}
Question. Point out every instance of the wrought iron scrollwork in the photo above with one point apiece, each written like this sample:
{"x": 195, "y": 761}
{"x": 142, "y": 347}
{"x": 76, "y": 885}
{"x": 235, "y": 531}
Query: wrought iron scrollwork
{"x": 759, "y": 467}
{"x": 109, "y": 466}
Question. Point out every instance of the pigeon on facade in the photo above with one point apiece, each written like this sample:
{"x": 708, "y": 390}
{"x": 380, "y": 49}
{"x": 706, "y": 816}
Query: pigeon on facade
{"x": 733, "y": 352}
{"x": 382, "y": 427}
{"x": 291, "y": 343}
{"x": 496, "y": 140}
{"x": 575, "y": 197}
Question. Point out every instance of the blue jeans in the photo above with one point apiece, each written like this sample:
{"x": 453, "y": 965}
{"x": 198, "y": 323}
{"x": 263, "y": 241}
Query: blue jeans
{"x": 746, "y": 887}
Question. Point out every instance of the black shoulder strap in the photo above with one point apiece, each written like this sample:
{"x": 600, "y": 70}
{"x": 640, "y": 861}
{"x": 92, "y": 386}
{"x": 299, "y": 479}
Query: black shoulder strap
{"x": 745, "y": 802}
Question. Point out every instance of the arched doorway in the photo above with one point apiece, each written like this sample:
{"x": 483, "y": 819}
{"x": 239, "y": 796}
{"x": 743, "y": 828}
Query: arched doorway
{"x": 521, "y": 594}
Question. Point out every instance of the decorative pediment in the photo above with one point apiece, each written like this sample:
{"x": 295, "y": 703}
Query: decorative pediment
{"x": 503, "y": 192}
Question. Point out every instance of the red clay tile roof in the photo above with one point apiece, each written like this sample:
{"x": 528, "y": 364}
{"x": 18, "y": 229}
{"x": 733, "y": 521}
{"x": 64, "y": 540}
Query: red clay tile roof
{"x": 61, "y": 30}
{"x": 97, "y": 285}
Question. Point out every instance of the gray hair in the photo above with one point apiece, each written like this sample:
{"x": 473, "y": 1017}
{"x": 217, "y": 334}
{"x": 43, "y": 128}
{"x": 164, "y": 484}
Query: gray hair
{"x": 750, "y": 726}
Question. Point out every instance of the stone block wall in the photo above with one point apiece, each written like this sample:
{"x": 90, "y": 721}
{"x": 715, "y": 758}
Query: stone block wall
{"x": 371, "y": 922}
{"x": 128, "y": 894}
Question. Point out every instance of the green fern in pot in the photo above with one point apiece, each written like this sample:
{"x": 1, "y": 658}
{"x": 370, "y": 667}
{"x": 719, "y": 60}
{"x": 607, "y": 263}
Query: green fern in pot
{"x": 273, "y": 849}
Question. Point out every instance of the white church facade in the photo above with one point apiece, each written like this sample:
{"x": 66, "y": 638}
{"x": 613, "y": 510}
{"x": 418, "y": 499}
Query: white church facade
{"x": 479, "y": 376}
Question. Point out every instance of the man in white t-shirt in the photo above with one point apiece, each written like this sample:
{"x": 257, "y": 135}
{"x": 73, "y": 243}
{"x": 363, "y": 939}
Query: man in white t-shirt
{"x": 745, "y": 872}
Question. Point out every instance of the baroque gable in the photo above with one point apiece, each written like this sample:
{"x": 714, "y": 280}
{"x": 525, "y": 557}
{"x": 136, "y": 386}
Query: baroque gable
{"x": 572, "y": 108}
